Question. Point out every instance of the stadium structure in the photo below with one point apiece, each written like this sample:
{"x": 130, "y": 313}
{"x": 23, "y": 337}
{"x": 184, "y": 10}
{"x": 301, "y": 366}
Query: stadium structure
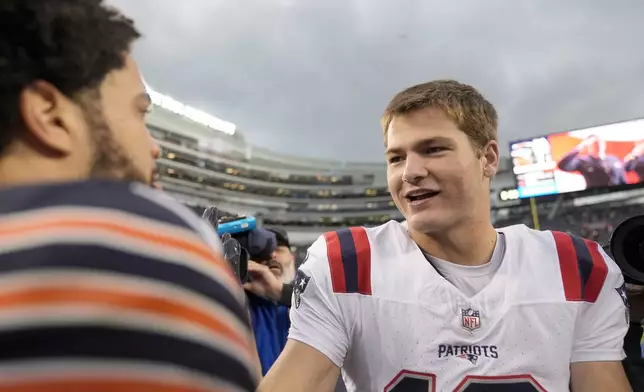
{"x": 206, "y": 161}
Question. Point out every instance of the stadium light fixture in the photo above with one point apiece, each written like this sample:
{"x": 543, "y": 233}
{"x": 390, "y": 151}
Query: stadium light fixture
{"x": 509, "y": 194}
{"x": 189, "y": 112}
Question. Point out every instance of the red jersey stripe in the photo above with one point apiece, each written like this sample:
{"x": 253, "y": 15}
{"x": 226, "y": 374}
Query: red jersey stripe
{"x": 334, "y": 254}
{"x": 569, "y": 266}
{"x": 597, "y": 275}
{"x": 363, "y": 252}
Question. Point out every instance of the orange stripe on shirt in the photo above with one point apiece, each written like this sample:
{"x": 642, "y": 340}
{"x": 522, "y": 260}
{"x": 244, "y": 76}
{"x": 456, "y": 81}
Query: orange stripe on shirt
{"x": 43, "y": 296}
{"x": 195, "y": 247}
{"x": 100, "y": 385}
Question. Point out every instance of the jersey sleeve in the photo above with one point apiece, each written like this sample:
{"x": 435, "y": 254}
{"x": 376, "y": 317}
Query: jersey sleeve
{"x": 602, "y": 325}
{"x": 316, "y": 317}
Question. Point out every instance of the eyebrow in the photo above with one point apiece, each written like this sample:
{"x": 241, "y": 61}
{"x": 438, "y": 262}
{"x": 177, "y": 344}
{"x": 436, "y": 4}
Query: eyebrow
{"x": 420, "y": 143}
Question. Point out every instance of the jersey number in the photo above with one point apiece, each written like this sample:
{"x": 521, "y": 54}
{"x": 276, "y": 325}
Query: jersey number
{"x": 408, "y": 381}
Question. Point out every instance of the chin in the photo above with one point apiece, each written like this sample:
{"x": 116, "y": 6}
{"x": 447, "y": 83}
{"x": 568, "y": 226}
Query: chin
{"x": 427, "y": 222}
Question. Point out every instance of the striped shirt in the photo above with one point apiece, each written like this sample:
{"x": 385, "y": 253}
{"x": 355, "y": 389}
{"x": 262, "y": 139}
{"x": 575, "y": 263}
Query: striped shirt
{"x": 111, "y": 286}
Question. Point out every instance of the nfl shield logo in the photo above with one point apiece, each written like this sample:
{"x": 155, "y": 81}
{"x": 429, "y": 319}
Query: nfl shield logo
{"x": 470, "y": 319}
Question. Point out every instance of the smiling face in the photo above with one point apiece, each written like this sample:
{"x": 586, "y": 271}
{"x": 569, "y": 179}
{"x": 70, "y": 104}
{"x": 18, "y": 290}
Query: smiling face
{"x": 437, "y": 178}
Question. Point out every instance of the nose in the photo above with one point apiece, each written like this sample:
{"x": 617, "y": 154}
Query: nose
{"x": 415, "y": 169}
{"x": 155, "y": 150}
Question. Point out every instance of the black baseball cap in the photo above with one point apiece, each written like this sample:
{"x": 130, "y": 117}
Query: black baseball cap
{"x": 282, "y": 237}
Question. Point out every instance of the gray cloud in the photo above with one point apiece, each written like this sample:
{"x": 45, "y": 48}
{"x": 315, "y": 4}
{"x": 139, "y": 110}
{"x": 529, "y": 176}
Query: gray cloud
{"x": 312, "y": 77}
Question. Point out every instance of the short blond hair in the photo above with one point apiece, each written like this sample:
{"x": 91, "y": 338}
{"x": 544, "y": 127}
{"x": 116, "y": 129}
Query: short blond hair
{"x": 462, "y": 104}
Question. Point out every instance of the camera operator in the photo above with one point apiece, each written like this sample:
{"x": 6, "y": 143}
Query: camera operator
{"x": 276, "y": 284}
{"x": 274, "y": 279}
{"x": 105, "y": 283}
{"x": 269, "y": 293}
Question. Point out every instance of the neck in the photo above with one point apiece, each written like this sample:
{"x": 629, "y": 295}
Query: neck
{"x": 469, "y": 245}
{"x": 25, "y": 170}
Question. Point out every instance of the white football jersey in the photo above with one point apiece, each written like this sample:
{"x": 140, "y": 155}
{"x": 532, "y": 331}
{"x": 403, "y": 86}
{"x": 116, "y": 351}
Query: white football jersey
{"x": 370, "y": 301}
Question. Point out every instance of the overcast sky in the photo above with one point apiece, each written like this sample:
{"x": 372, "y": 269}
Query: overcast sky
{"x": 311, "y": 77}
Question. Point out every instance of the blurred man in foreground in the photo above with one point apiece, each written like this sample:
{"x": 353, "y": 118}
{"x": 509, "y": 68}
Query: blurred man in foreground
{"x": 445, "y": 302}
{"x": 105, "y": 284}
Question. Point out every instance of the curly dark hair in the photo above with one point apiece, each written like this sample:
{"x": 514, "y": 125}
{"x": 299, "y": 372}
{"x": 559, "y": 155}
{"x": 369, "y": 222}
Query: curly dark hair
{"x": 72, "y": 44}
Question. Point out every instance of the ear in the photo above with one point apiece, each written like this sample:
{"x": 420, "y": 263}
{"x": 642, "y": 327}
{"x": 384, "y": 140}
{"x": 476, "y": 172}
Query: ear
{"x": 491, "y": 159}
{"x": 50, "y": 118}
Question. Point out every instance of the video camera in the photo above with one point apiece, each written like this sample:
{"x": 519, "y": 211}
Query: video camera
{"x": 627, "y": 249}
{"x": 242, "y": 240}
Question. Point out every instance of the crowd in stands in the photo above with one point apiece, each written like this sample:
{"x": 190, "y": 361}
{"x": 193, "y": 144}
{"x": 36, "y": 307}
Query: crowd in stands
{"x": 268, "y": 190}
{"x": 261, "y": 175}
{"x": 595, "y": 222}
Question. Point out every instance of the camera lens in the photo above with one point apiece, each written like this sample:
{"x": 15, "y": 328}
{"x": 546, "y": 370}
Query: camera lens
{"x": 634, "y": 249}
{"x": 627, "y": 248}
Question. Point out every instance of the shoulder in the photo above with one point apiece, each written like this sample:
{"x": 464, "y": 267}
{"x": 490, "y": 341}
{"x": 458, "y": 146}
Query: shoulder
{"x": 549, "y": 239}
{"x": 343, "y": 258}
{"x": 96, "y": 194}
{"x": 526, "y": 237}
{"x": 124, "y": 228}
{"x": 138, "y": 249}
{"x": 105, "y": 200}
{"x": 177, "y": 213}
{"x": 582, "y": 264}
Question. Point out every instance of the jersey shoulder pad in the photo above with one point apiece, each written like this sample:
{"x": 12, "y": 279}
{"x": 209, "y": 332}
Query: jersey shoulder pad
{"x": 349, "y": 257}
{"x": 583, "y": 266}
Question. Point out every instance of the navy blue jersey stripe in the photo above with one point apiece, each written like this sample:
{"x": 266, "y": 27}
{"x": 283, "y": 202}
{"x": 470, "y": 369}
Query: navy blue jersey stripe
{"x": 97, "y": 193}
{"x": 584, "y": 261}
{"x": 99, "y": 258}
{"x": 78, "y": 342}
{"x": 349, "y": 259}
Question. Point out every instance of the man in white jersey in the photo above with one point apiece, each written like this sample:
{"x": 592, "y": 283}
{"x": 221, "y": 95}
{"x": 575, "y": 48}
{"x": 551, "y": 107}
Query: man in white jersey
{"x": 445, "y": 302}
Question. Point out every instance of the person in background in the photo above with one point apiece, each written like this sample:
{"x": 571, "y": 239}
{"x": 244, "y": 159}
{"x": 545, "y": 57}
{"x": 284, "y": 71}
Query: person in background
{"x": 284, "y": 268}
{"x": 589, "y": 158}
{"x": 105, "y": 283}
{"x": 634, "y": 161}
{"x": 269, "y": 307}
{"x": 270, "y": 294}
